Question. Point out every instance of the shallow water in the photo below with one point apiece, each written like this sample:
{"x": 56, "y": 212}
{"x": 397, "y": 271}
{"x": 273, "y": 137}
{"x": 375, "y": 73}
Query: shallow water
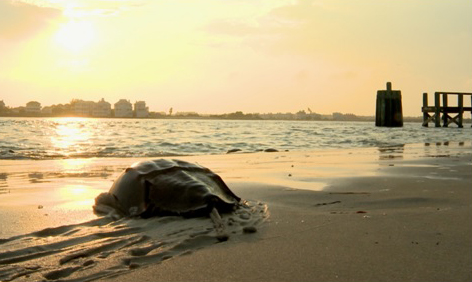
{"x": 50, "y": 138}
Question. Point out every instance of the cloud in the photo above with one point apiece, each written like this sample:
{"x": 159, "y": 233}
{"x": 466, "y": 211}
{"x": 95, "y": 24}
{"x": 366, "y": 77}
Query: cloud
{"x": 20, "y": 20}
{"x": 299, "y": 28}
{"x": 301, "y": 11}
{"x": 103, "y": 8}
{"x": 231, "y": 28}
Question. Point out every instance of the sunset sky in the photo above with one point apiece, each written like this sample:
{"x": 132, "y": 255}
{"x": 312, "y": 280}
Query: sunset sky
{"x": 217, "y": 56}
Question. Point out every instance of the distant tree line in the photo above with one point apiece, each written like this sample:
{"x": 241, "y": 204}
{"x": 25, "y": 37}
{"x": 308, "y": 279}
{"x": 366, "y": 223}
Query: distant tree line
{"x": 66, "y": 110}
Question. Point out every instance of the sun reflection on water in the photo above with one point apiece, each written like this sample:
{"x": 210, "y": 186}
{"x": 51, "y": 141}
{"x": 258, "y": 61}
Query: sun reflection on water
{"x": 76, "y": 196}
{"x": 76, "y": 165}
{"x": 70, "y": 136}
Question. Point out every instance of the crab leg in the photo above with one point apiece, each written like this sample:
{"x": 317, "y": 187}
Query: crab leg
{"x": 220, "y": 228}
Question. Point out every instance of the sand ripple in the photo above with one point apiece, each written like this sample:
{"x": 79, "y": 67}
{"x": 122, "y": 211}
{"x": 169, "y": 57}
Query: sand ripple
{"x": 104, "y": 247}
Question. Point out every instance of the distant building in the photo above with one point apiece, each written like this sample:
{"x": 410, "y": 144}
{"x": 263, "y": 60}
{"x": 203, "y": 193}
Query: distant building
{"x": 19, "y": 110}
{"x": 82, "y": 108}
{"x": 301, "y": 115}
{"x": 140, "y": 109}
{"x": 61, "y": 110}
{"x": 278, "y": 116}
{"x": 157, "y": 114}
{"x": 2, "y": 106}
{"x": 123, "y": 108}
{"x": 338, "y": 116}
{"x": 47, "y": 111}
{"x": 343, "y": 117}
{"x": 101, "y": 109}
{"x": 186, "y": 114}
{"x": 33, "y": 107}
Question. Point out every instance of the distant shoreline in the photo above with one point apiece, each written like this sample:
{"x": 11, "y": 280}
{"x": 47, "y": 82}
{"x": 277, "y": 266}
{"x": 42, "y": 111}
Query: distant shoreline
{"x": 255, "y": 117}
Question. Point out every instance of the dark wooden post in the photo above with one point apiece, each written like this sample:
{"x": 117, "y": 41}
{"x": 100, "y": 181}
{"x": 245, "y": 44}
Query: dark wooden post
{"x": 425, "y": 113}
{"x": 460, "y": 104}
{"x": 445, "y": 112}
{"x": 425, "y": 109}
{"x": 397, "y": 108}
{"x": 379, "y": 109}
{"x": 437, "y": 119}
{"x": 389, "y": 107}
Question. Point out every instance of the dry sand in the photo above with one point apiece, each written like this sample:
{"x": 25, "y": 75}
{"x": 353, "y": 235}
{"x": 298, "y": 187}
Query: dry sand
{"x": 390, "y": 214}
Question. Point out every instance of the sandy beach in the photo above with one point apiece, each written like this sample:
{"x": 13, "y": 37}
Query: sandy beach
{"x": 228, "y": 141}
{"x": 375, "y": 214}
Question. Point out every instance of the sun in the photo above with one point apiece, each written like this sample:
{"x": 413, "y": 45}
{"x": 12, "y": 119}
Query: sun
{"x": 75, "y": 35}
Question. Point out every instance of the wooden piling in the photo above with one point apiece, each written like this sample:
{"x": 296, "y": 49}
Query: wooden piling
{"x": 426, "y": 116}
{"x": 437, "y": 105}
{"x": 389, "y": 107}
{"x": 460, "y": 115}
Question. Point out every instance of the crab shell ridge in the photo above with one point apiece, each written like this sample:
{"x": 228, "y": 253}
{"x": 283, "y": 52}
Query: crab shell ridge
{"x": 165, "y": 186}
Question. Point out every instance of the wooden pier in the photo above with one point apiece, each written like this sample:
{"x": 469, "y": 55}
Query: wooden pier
{"x": 445, "y": 109}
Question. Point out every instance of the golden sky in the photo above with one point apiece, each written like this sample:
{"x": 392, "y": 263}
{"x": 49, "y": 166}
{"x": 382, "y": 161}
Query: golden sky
{"x": 217, "y": 56}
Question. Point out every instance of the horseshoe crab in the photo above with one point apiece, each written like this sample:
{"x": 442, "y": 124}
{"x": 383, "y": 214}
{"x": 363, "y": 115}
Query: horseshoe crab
{"x": 169, "y": 187}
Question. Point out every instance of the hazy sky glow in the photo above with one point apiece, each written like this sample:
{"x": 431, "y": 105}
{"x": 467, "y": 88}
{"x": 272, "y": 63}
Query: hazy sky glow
{"x": 216, "y": 56}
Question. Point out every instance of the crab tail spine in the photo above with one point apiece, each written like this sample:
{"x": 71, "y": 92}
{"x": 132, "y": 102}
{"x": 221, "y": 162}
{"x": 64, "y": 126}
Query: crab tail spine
{"x": 220, "y": 227}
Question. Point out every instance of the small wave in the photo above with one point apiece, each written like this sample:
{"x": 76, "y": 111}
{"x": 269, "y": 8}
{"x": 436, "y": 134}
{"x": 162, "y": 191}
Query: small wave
{"x": 103, "y": 138}
{"x": 86, "y": 155}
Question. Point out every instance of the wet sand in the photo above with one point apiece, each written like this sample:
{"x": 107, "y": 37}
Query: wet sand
{"x": 389, "y": 214}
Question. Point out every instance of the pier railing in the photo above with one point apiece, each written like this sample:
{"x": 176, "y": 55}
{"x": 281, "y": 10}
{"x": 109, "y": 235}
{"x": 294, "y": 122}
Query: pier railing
{"x": 445, "y": 109}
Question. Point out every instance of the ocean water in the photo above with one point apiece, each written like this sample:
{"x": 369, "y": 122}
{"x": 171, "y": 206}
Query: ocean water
{"x": 53, "y": 138}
